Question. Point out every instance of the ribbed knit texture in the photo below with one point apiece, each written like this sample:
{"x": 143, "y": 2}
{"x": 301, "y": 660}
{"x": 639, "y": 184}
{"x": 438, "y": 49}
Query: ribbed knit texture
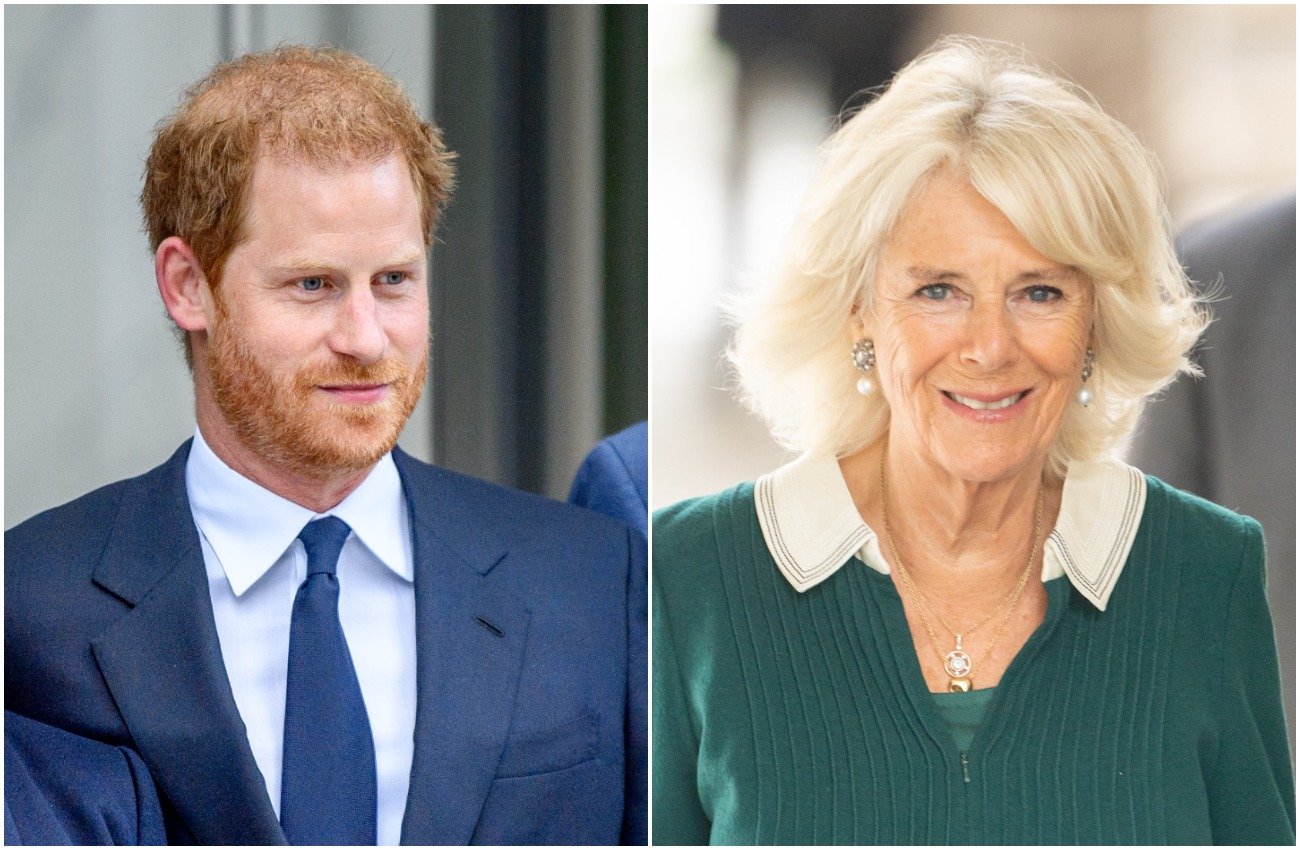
{"x": 788, "y": 718}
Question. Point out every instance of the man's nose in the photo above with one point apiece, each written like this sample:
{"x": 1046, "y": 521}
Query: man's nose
{"x": 358, "y": 331}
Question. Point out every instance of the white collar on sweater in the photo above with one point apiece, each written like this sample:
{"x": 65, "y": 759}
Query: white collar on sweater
{"x": 812, "y": 527}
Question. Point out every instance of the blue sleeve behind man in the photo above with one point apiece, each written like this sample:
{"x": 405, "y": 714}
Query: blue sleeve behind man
{"x": 613, "y": 479}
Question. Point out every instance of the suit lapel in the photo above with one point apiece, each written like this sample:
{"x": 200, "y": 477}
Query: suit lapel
{"x": 162, "y": 662}
{"x": 470, "y": 640}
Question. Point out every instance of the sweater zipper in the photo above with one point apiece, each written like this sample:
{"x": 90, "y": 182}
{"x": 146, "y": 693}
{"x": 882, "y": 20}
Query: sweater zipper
{"x": 965, "y": 768}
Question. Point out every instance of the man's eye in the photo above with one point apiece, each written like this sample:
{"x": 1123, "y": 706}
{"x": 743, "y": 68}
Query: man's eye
{"x": 936, "y": 291}
{"x": 392, "y": 278}
{"x": 312, "y": 284}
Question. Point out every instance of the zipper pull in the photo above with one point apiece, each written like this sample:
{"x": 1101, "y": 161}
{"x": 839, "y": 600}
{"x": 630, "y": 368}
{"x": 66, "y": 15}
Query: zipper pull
{"x": 965, "y": 768}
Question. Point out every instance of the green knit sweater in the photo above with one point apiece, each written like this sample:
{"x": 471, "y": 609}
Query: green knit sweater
{"x": 789, "y": 718}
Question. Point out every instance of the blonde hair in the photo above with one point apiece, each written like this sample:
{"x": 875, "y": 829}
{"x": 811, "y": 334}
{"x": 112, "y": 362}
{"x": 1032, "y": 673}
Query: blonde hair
{"x": 1074, "y": 181}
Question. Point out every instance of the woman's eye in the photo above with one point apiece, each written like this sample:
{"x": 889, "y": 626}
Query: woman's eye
{"x": 1043, "y": 294}
{"x": 392, "y": 278}
{"x": 312, "y": 284}
{"x": 936, "y": 291}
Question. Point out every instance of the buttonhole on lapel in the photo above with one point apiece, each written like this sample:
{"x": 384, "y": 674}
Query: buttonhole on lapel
{"x": 491, "y": 628}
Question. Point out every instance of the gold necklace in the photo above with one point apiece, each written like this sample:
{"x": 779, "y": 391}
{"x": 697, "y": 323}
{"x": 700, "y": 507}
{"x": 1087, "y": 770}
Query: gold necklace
{"x": 957, "y": 662}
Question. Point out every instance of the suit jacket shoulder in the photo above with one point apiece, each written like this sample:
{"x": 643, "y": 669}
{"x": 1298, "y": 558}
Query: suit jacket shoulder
{"x": 481, "y": 517}
{"x": 65, "y": 536}
{"x": 58, "y": 565}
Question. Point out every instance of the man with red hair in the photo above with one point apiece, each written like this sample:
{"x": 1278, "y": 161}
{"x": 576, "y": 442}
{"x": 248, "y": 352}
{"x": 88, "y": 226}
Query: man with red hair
{"x": 309, "y": 636}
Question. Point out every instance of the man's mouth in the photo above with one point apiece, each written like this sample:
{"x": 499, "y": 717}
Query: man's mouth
{"x": 357, "y": 393}
{"x": 995, "y": 403}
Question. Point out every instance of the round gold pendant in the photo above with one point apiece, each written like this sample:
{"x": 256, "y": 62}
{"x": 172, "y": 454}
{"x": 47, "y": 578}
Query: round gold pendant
{"x": 957, "y": 663}
{"x": 959, "y": 684}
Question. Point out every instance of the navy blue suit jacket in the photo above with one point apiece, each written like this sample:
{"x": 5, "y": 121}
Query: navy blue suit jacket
{"x": 61, "y": 788}
{"x": 612, "y": 480}
{"x": 531, "y": 639}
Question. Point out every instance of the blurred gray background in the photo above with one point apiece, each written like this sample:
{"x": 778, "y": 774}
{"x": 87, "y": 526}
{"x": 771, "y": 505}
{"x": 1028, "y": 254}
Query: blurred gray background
{"x": 743, "y": 96}
{"x": 538, "y": 275}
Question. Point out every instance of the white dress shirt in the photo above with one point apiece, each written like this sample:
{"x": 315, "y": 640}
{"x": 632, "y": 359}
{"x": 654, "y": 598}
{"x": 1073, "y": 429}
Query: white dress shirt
{"x": 255, "y": 564}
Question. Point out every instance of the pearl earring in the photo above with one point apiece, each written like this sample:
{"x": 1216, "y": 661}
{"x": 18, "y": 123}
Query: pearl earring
{"x": 1085, "y": 395}
{"x": 864, "y": 360}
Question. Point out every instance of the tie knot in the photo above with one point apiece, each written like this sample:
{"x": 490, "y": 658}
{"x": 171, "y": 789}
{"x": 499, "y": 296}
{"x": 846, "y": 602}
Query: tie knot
{"x": 324, "y": 539}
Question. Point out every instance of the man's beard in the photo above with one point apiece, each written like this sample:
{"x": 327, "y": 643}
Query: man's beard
{"x": 287, "y": 422}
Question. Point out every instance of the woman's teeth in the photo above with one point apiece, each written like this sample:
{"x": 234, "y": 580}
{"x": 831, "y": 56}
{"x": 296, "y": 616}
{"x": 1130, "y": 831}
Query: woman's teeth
{"x": 973, "y": 404}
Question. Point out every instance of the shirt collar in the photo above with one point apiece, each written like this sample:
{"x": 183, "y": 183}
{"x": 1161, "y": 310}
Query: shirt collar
{"x": 812, "y": 527}
{"x": 249, "y": 527}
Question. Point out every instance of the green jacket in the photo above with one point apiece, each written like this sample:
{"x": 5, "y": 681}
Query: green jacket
{"x": 802, "y": 718}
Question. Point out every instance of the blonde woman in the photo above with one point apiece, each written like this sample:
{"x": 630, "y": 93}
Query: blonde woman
{"x": 957, "y": 618}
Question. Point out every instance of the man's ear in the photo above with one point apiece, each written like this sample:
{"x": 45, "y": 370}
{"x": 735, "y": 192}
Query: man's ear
{"x": 182, "y": 285}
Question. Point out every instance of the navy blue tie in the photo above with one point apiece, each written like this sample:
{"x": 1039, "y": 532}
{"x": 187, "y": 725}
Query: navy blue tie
{"x": 327, "y": 793}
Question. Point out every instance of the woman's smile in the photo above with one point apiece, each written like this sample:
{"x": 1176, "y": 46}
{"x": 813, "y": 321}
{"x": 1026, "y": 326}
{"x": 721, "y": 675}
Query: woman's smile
{"x": 987, "y": 407}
